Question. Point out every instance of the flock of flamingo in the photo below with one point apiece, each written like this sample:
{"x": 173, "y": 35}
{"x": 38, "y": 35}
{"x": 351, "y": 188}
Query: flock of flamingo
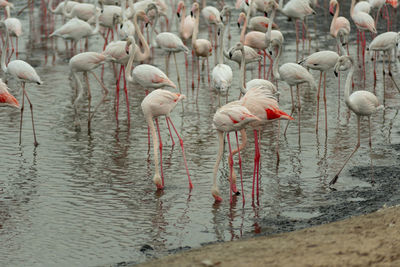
{"x": 122, "y": 22}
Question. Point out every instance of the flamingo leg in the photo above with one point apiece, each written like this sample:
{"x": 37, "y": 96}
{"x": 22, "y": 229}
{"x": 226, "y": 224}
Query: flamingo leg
{"x": 334, "y": 180}
{"x": 208, "y": 74}
{"x": 230, "y": 168}
{"x": 22, "y": 114}
{"x": 198, "y": 78}
{"x": 117, "y": 93}
{"x": 187, "y": 73}
{"x": 33, "y": 123}
{"x": 299, "y": 108}
{"x": 126, "y": 95}
{"x": 390, "y": 72}
{"x": 89, "y": 94}
{"x": 240, "y": 166}
{"x": 170, "y": 133}
{"x": 193, "y": 61}
{"x": 160, "y": 147}
{"x": 370, "y": 149}
{"x": 104, "y": 94}
{"x": 264, "y": 61}
{"x": 326, "y": 113}
{"x": 178, "y": 75}
{"x": 183, "y": 152}
{"x": 291, "y": 112}
{"x": 318, "y": 95}
{"x": 256, "y": 157}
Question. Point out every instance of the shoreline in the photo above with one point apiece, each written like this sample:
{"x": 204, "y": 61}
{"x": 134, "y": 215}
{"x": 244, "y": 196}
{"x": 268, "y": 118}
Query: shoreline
{"x": 364, "y": 240}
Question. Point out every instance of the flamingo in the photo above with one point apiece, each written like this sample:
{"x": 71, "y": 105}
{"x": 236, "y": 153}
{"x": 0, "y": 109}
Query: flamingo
{"x": 146, "y": 75}
{"x": 7, "y": 99}
{"x": 222, "y": 74}
{"x": 76, "y": 29}
{"x": 126, "y": 25}
{"x": 337, "y": 22}
{"x": 378, "y": 4}
{"x": 385, "y": 42}
{"x": 23, "y": 72}
{"x": 187, "y": 22}
{"x": 14, "y": 28}
{"x": 297, "y": 10}
{"x": 362, "y": 103}
{"x": 364, "y": 22}
{"x": 170, "y": 43}
{"x": 212, "y": 16}
{"x": 293, "y": 74}
{"x": 363, "y": 6}
{"x": 201, "y": 47}
{"x": 253, "y": 39}
{"x": 230, "y": 117}
{"x": 86, "y": 62}
{"x": 160, "y": 102}
{"x": 83, "y": 11}
{"x": 260, "y": 24}
{"x": 60, "y": 7}
{"x": 322, "y": 61}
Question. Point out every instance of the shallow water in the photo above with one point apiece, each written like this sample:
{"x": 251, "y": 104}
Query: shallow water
{"x": 89, "y": 200}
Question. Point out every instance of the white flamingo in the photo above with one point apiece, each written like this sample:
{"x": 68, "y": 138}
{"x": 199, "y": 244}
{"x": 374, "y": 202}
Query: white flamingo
{"x": 362, "y": 103}
{"x": 23, "y": 72}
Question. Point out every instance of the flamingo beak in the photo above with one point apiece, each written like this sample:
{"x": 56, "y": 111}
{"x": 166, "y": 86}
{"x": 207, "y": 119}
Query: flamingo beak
{"x": 247, "y": 2}
{"x": 178, "y": 14}
{"x": 336, "y": 73}
{"x": 331, "y": 10}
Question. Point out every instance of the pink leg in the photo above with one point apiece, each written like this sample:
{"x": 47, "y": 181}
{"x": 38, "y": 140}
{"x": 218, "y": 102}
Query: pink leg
{"x": 265, "y": 62}
{"x": 161, "y": 145}
{"x": 192, "y": 70}
{"x": 183, "y": 153}
{"x": 117, "y": 93}
{"x": 259, "y": 67}
{"x": 230, "y": 168}
{"x": 240, "y": 166}
{"x": 256, "y": 158}
{"x": 126, "y": 94}
{"x": 208, "y": 73}
{"x": 187, "y": 74}
{"x": 198, "y": 78}
{"x": 170, "y": 134}
{"x": 318, "y": 95}
{"x": 106, "y": 39}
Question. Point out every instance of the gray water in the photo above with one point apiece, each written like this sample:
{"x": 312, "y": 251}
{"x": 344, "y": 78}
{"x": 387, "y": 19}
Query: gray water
{"x": 89, "y": 200}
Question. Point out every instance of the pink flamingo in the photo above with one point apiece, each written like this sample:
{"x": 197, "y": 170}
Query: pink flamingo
{"x": 322, "y": 61}
{"x": 23, "y": 72}
{"x": 337, "y": 22}
{"x": 362, "y": 103}
{"x": 385, "y": 42}
{"x": 253, "y": 39}
{"x": 293, "y": 74}
{"x": 85, "y": 62}
{"x": 14, "y": 28}
{"x": 160, "y": 103}
{"x": 212, "y": 16}
{"x": 83, "y": 11}
{"x": 228, "y": 118}
{"x": 364, "y": 22}
{"x": 7, "y": 99}
{"x": 201, "y": 47}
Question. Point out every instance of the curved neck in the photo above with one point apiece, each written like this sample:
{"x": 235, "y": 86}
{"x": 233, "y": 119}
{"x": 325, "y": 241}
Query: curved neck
{"x": 336, "y": 12}
{"x": 150, "y": 123}
{"x": 243, "y": 32}
{"x": 183, "y": 17}
{"x": 353, "y": 2}
{"x": 242, "y": 72}
{"x": 221, "y": 44}
{"x": 219, "y": 157}
{"x": 348, "y": 85}
{"x": 65, "y": 12}
{"x": 153, "y": 28}
{"x": 270, "y": 22}
{"x": 339, "y": 44}
{"x": 5, "y": 46}
{"x": 146, "y": 50}
{"x": 196, "y": 28}
{"x": 128, "y": 72}
{"x": 276, "y": 62}
{"x": 97, "y": 16}
{"x": 50, "y": 6}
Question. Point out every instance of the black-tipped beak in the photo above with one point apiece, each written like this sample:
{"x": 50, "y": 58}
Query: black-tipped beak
{"x": 331, "y": 13}
{"x": 336, "y": 74}
{"x": 146, "y": 24}
{"x": 179, "y": 15}
{"x": 270, "y": 52}
{"x": 247, "y": 3}
{"x": 343, "y": 44}
{"x": 219, "y": 32}
{"x": 265, "y": 14}
{"x": 222, "y": 19}
{"x": 238, "y": 25}
{"x": 230, "y": 55}
{"x": 191, "y": 13}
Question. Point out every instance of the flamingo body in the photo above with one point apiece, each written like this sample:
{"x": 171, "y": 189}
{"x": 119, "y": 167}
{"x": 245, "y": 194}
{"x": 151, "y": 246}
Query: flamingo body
{"x": 149, "y": 76}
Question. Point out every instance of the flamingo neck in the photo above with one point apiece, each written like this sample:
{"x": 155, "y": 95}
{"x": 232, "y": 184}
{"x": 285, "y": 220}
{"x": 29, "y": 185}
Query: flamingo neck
{"x": 271, "y": 21}
{"x": 50, "y": 6}
{"x": 150, "y": 123}
{"x": 243, "y": 32}
{"x": 339, "y": 43}
{"x": 196, "y": 28}
{"x": 243, "y": 71}
{"x": 146, "y": 49}
{"x": 183, "y": 17}
{"x": 65, "y": 12}
{"x": 353, "y": 2}
{"x": 128, "y": 72}
{"x": 276, "y": 62}
{"x": 219, "y": 157}
{"x": 3, "y": 50}
{"x": 348, "y": 85}
{"x": 97, "y": 17}
{"x": 153, "y": 28}
{"x": 221, "y": 44}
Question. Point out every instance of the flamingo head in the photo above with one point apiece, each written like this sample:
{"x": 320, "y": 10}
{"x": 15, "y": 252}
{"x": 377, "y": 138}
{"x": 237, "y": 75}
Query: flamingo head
{"x": 195, "y": 8}
{"x": 332, "y": 5}
{"x": 158, "y": 181}
{"x": 343, "y": 63}
{"x": 142, "y": 14}
{"x": 215, "y": 193}
{"x": 247, "y": 2}
{"x": 241, "y": 19}
{"x": 238, "y": 46}
{"x": 270, "y": 5}
{"x": 181, "y": 4}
